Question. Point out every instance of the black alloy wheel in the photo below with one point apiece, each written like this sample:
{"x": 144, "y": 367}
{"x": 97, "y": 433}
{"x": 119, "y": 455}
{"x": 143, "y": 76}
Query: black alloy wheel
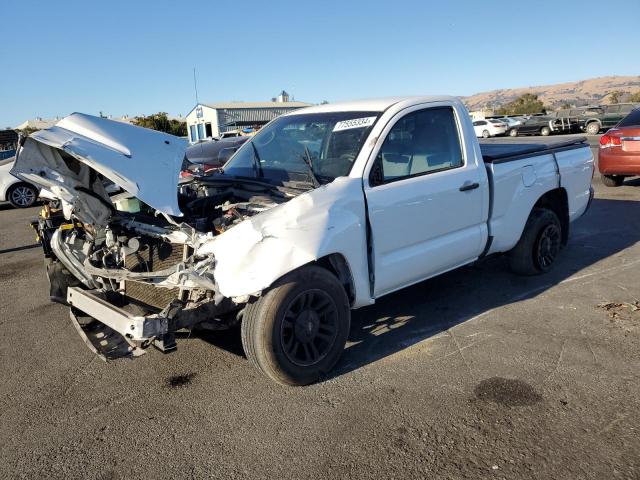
{"x": 548, "y": 246}
{"x": 309, "y": 327}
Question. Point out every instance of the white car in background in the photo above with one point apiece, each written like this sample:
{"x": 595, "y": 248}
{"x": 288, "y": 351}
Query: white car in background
{"x": 489, "y": 128}
{"x": 13, "y": 190}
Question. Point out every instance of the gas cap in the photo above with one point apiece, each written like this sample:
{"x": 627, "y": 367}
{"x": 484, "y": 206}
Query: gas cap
{"x": 528, "y": 175}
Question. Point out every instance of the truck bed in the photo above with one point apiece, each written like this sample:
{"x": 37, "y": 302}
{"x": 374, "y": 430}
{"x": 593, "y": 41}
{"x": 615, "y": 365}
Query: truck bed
{"x": 505, "y": 152}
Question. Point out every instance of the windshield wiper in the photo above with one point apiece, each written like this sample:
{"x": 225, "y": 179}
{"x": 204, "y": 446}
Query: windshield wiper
{"x": 307, "y": 159}
{"x": 257, "y": 166}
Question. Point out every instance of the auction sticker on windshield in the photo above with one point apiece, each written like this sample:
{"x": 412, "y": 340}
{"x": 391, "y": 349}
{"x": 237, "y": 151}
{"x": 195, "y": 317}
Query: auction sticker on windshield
{"x": 354, "y": 123}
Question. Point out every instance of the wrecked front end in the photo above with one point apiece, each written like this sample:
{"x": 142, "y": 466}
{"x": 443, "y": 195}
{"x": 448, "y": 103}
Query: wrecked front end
{"x": 141, "y": 278}
{"x": 138, "y": 267}
{"x": 130, "y": 265}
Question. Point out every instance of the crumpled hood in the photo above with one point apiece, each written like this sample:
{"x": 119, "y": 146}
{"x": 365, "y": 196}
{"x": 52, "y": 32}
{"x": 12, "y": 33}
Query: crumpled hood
{"x": 144, "y": 162}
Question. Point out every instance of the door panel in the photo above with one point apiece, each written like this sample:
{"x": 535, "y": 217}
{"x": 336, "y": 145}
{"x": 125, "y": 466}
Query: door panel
{"x": 611, "y": 116}
{"x": 421, "y": 222}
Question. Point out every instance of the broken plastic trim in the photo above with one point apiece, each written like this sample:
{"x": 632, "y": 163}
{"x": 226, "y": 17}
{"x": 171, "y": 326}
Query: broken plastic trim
{"x": 198, "y": 275}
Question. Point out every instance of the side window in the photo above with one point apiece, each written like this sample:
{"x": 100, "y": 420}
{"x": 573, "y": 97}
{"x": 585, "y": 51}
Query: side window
{"x": 420, "y": 142}
{"x": 626, "y": 108}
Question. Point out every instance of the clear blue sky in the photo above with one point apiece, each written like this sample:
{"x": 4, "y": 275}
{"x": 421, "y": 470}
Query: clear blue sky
{"x": 137, "y": 56}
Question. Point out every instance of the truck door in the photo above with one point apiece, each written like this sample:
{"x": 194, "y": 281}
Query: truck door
{"x": 425, "y": 200}
{"x": 611, "y": 116}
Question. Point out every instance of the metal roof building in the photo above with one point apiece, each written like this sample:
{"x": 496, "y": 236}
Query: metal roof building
{"x": 209, "y": 120}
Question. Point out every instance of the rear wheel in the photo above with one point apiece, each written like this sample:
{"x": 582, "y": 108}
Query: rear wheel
{"x": 485, "y": 134}
{"x": 513, "y": 132}
{"x": 539, "y": 245}
{"x": 296, "y": 331}
{"x": 612, "y": 180}
{"x": 545, "y": 131}
{"x": 593, "y": 128}
{"x": 22, "y": 195}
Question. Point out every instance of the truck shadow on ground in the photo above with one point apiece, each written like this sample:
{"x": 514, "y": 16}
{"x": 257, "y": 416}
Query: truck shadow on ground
{"x": 414, "y": 314}
{"x": 409, "y": 316}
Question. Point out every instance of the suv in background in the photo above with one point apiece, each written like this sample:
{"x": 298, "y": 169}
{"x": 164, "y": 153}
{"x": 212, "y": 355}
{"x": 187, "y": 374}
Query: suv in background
{"x": 603, "y": 117}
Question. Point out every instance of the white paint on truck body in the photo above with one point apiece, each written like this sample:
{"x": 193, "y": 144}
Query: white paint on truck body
{"x": 420, "y": 226}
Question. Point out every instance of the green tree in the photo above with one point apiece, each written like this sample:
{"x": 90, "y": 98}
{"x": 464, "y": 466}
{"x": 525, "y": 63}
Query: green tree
{"x": 527, "y": 103}
{"x": 614, "y": 97}
{"x": 25, "y": 132}
{"x": 161, "y": 122}
{"x": 635, "y": 97}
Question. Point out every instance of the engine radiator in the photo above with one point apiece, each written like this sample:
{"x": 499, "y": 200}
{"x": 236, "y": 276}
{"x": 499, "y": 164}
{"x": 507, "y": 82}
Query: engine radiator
{"x": 152, "y": 258}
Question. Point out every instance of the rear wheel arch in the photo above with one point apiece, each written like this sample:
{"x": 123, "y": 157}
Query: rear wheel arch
{"x": 557, "y": 201}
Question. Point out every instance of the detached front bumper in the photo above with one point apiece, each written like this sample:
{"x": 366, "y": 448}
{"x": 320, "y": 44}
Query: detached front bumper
{"x": 118, "y": 328}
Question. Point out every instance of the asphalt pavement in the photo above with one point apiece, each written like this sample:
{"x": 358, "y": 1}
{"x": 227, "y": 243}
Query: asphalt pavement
{"x": 474, "y": 374}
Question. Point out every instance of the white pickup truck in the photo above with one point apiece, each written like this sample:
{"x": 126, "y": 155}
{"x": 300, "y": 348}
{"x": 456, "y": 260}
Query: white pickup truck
{"x": 324, "y": 210}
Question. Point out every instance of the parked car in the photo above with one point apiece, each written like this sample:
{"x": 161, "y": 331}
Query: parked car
{"x": 512, "y": 125}
{"x": 4, "y": 154}
{"x": 19, "y": 193}
{"x": 489, "y": 128}
{"x": 325, "y": 210}
{"x": 619, "y": 155}
{"x": 205, "y": 157}
{"x": 597, "y": 118}
{"x": 536, "y": 125}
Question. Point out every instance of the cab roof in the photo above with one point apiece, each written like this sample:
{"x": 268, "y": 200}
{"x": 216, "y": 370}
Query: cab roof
{"x": 373, "y": 105}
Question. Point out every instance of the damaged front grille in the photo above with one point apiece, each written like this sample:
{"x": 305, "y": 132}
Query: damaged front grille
{"x": 152, "y": 258}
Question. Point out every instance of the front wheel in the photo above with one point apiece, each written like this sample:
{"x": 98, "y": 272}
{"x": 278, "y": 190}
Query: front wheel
{"x": 513, "y": 132}
{"x": 485, "y": 134}
{"x": 539, "y": 245}
{"x": 612, "y": 180}
{"x": 545, "y": 131}
{"x": 22, "y": 195}
{"x": 297, "y": 330}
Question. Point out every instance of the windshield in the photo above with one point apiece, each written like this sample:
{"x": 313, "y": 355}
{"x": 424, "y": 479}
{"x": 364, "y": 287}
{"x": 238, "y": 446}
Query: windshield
{"x": 314, "y": 147}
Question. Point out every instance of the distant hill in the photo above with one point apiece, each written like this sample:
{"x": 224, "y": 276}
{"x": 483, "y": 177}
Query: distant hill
{"x": 584, "y": 92}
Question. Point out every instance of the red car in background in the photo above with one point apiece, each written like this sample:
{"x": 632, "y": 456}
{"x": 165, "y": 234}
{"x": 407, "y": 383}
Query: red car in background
{"x": 620, "y": 151}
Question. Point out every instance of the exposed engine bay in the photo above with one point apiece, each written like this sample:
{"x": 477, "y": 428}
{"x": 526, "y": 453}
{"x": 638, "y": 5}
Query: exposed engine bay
{"x": 148, "y": 263}
{"x": 216, "y": 205}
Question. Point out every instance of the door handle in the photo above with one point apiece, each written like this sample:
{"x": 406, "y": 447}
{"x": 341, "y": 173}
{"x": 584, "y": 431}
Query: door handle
{"x": 469, "y": 186}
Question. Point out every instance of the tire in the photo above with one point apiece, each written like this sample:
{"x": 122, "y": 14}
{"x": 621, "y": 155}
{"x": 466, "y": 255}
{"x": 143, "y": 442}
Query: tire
{"x": 513, "y": 132}
{"x": 296, "y": 331}
{"x": 545, "y": 131}
{"x": 485, "y": 134}
{"x": 22, "y": 195}
{"x": 539, "y": 245}
{"x": 593, "y": 128}
{"x": 612, "y": 180}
